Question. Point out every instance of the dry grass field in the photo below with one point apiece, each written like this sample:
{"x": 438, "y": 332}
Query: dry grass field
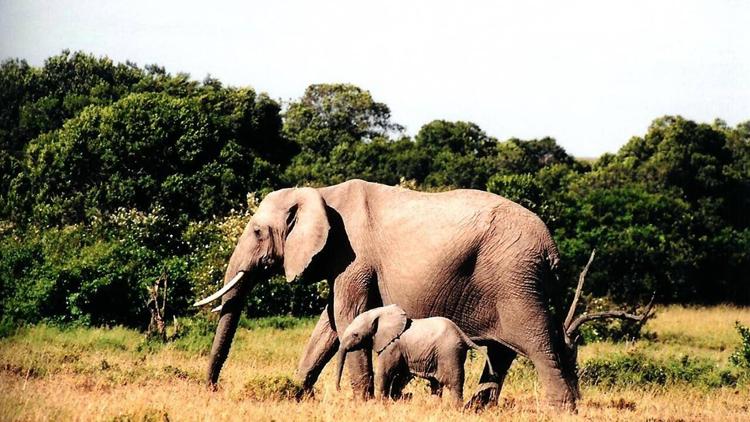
{"x": 679, "y": 371}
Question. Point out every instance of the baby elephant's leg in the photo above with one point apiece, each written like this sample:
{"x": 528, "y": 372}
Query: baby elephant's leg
{"x": 382, "y": 382}
{"x": 436, "y": 388}
{"x": 399, "y": 381}
{"x": 453, "y": 377}
{"x": 389, "y": 372}
{"x": 456, "y": 387}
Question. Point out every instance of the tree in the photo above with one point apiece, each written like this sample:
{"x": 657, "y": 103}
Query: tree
{"x": 463, "y": 138}
{"x": 459, "y": 154}
{"x": 329, "y": 114}
{"x": 516, "y": 156}
{"x": 330, "y": 117}
{"x": 193, "y": 157}
{"x": 694, "y": 254}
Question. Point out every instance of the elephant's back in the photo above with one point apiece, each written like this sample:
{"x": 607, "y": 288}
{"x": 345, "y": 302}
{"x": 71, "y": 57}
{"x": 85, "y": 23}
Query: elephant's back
{"x": 447, "y": 253}
{"x": 431, "y": 332}
{"x": 421, "y": 229}
{"x": 458, "y": 210}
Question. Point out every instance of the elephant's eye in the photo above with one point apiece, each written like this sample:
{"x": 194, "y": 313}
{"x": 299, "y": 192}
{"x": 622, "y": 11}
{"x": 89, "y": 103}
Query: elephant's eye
{"x": 256, "y": 230}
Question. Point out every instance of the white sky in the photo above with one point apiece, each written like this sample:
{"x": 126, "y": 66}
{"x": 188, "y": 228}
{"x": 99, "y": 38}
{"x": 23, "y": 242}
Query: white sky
{"x": 589, "y": 74}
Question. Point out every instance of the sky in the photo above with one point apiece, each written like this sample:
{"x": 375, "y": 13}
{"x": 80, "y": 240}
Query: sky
{"x": 591, "y": 74}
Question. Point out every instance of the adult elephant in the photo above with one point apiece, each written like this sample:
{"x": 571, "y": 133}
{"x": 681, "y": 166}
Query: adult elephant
{"x": 471, "y": 256}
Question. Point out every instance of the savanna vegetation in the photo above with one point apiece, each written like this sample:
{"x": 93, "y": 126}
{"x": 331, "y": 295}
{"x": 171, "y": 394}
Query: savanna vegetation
{"x": 682, "y": 368}
{"x": 115, "y": 178}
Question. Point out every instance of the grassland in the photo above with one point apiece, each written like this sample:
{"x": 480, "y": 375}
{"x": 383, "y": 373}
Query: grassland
{"x": 679, "y": 371}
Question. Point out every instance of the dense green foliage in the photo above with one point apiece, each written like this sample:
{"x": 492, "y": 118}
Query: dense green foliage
{"x": 741, "y": 356}
{"x": 114, "y": 176}
{"x": 637, "y": 370}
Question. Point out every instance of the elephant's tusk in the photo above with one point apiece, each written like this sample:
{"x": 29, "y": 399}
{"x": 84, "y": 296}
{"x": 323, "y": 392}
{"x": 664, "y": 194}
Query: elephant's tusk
{"x": 217, "y": 309}
{"x": 227, "y": 287}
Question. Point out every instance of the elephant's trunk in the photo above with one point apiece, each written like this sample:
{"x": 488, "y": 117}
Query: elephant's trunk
{"x": 231, "y": 310}
{"x": 340, "y": 367}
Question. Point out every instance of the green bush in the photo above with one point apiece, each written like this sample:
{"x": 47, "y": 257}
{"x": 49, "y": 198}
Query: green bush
{"x": 741, "y": 356}
{"x": 520, "y": 188}
{"x": 273, "y": 387}
{"x": 99, "y": 273}
{"x": 87, "y": 274}
{"x": 195, "y": 334}
{"x": 638, "y": 370}
{"x": 8, "y": 327}
{"x": 609, "y": 329}
{"x": 280, "y": 322}
{"x": 278, "y": 297}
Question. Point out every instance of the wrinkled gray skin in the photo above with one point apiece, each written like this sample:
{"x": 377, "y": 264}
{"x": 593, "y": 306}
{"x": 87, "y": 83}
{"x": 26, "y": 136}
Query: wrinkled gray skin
{"x": 471, "y": 256}
{"x": 430, "y": 348}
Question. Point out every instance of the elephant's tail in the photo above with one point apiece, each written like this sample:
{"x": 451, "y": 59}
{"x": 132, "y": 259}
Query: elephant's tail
{"x": 549, "y": 270}
{"x": 475, "y": 346}
{"x": 552, "y": 261}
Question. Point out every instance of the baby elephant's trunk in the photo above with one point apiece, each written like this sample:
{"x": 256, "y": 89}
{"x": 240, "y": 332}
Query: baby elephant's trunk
{"x": 340, "y": 368}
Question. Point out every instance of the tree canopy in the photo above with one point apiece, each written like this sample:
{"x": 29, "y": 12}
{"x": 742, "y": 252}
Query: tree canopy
{"x": 114, "y": 176}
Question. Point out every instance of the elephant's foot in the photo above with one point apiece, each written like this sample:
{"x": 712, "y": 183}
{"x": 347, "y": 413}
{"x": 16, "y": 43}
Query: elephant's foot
{"x": 363, "y": 386}
{"x": 212, "y": 386}
{"x": 304, "y": 393}
{"x": 363, "y": 392}
{"x": 306, "y": 382}
{"x": 396, "y": 396}
{"x": 486, "y": 396}
{"x": 405, "y": 396}
{"x": 562, "y": 403}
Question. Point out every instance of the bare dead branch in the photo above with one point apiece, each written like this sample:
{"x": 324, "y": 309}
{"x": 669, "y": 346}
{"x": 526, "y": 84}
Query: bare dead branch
{"x": 581, "y": 279}
{"x": 157, "y": 326}
{"x": 640, "y": 318}
{"x": 572, "y": 325}
{"x": 164, "y": 296}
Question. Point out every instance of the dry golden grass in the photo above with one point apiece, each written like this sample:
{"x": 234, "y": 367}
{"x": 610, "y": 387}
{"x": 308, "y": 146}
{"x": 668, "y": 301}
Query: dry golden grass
{"x": 100, "y": 374}
{"x": 694, "y": 331}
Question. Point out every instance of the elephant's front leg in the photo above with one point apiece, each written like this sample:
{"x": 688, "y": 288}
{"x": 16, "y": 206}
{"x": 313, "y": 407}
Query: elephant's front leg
{"x": 321, "y": 347}
{"x": 392, "y": 374}
{"x": 359, "y": 364}
{"x": 351, "y": 296}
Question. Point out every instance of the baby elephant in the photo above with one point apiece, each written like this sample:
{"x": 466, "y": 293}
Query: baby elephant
{"x": 430, "y": 348}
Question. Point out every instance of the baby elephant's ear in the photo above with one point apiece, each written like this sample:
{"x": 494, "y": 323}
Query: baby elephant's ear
{"x": 391, "y": 323}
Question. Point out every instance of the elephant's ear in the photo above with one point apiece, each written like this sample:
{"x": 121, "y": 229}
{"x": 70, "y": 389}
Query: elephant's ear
{"x": 307, "y": 231}
{"x": 391, "y": 323}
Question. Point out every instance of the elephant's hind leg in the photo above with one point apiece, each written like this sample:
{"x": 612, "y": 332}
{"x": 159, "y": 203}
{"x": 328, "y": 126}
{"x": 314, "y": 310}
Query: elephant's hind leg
{"x": 455, "y": 384}
{"x": 398, "y": 383}
{"x": 529, "y": 327}
{"x": 436, "y": 389}
{"x": 490, "y": 384}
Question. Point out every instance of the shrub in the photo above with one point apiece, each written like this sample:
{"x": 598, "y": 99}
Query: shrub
{"x": 278, "y": 297}
{"x": 741, "y": 356}
{"x": 8, "y": 327}
{"x": 195, "y": 334}
{"x": 612, "y": 329}
{"x": 281, "y": 322}
{"x": 639, "y": 370}
{"x": 93, "y": 274}
{"x": 280, "y": 387}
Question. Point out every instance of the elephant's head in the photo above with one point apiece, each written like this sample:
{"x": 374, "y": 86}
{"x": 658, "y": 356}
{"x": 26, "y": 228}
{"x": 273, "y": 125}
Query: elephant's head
{"x": 376, "y": 328}
{"x": 289, "y": 228}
